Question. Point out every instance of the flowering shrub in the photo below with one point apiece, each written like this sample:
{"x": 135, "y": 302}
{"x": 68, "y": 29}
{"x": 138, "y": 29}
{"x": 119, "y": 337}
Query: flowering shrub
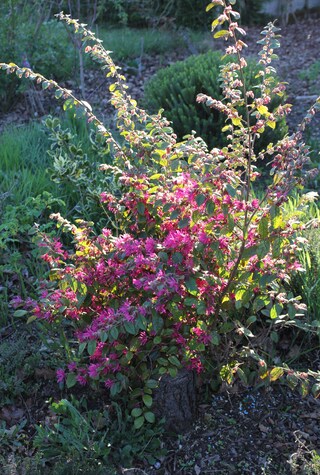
{"x": 192, "y": 271}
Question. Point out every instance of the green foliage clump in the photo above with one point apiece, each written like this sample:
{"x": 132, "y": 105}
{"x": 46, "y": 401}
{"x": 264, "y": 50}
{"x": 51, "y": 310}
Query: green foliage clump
{"x": 175, "y": 89}
{"x": 99, "y": 436}
{"x": 311, "y": 75}
{"x": 307, "y": 284}
{"x": 48, "y": 50}
{"x": 185, "y": 13}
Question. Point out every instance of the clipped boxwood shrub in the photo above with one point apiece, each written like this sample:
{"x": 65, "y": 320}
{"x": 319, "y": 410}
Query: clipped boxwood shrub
{"x": 175, "y": 89}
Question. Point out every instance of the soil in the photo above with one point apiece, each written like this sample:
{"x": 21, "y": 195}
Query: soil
{"x": 270, "y": 431}
{"x": 265, "y": 431}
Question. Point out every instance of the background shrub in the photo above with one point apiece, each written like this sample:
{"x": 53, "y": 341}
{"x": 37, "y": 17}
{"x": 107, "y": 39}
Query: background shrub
{"x": 175, "y": 89}
{"x": 186, "y": 13}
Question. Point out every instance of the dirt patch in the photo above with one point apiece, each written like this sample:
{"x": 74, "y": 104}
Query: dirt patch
{"x": 271, "y": 431}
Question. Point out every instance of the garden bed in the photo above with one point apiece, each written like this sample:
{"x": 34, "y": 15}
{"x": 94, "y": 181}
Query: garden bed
{"x": 270, "y": 430}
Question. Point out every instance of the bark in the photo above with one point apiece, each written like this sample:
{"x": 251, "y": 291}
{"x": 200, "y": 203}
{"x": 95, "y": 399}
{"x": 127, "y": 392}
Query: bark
{"x": 176, "y": 401}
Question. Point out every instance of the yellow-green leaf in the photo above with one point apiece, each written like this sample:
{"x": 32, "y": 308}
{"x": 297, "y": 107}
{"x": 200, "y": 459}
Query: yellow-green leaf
{"x": 236, "y": 121}
{"x": 276, "y": 373}
{"x": 222, "y": 34}
{"x": 214, "y": 3}
{"x": 32, "y": 319}
{"x": 263, "y": 227}
{"x": 271, "y": 124}
{"x": 263, "y": 110}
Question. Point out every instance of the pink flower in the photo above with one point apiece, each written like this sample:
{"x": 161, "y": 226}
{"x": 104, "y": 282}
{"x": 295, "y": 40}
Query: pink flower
{"x": 93, "y": 370}
{"x": 72, "y": 366}
{"x": 81, "y": 380}
{"x": 17, "y": 301}
{"x": 61, "y": 375}
{"x": 223, "y": 243}
{"x": 143, "y": 337}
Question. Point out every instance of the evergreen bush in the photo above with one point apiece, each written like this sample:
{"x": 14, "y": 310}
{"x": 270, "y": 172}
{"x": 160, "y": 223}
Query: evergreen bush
{"x": 174, "y": 89}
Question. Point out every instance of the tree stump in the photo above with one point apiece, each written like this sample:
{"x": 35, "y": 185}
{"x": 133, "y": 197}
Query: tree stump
{"x": 176, "y": 401}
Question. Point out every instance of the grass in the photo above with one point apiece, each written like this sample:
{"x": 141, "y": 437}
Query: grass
{"x": 23, "y": 162}
{"x": 307, "y": 283}
{"x": 130, "y": 43}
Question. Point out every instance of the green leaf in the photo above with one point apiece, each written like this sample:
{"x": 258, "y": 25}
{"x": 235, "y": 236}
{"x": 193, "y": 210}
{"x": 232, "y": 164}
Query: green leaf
{"x": 189, "y": 301}
{"x": 183, "y": 223}
{"x": 201, "y": 308}
{"x": 276, "y": 248}
{"x": 210, "y": 206}
{"x": 192, "y": 286}
{"x": 251, "y": 319}
{"x": 71, "y": 380}
{"x": 141, "y": 208}
{"x": 92, "y": 345}
{"x": 82, "y": 347}
{"x": 45, "y": 84}
{"x": 316, "y": 390}
{"x": 239, "y": 294}
{"x": 231, "y": 190}
{"x": 58, "y": 94}
{"x": 138, "y": 423}
{"x": 115, "y": 389}
{"x": 177, "y": 258}
{"x": 129, "y": 327}
{"x": 226, "y": 327}
{"x": 174, "y": 360}
{"x": 114, "y": 333}
{"x": 150, "y": 417}
{"x": 173, "y": 372}
{"x": 215, "y": 338}
{"x": 152, "y": 384}
{"x": 20, "y": 313}
{"x": 175, "y": 214}
{"x": 147, "y": 400}
{"x": 136, "y": 412}
{"x": 157, "y": 322}
{"x": 200, "y": 199}
{"x": 242, "y": 375}
{"x": 263, "y": 249}
{"x": 163, "y": 256}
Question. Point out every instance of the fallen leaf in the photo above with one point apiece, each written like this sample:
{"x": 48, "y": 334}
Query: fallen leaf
{"x": 197, "y": 469}
{"x": 263, "y": 428}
